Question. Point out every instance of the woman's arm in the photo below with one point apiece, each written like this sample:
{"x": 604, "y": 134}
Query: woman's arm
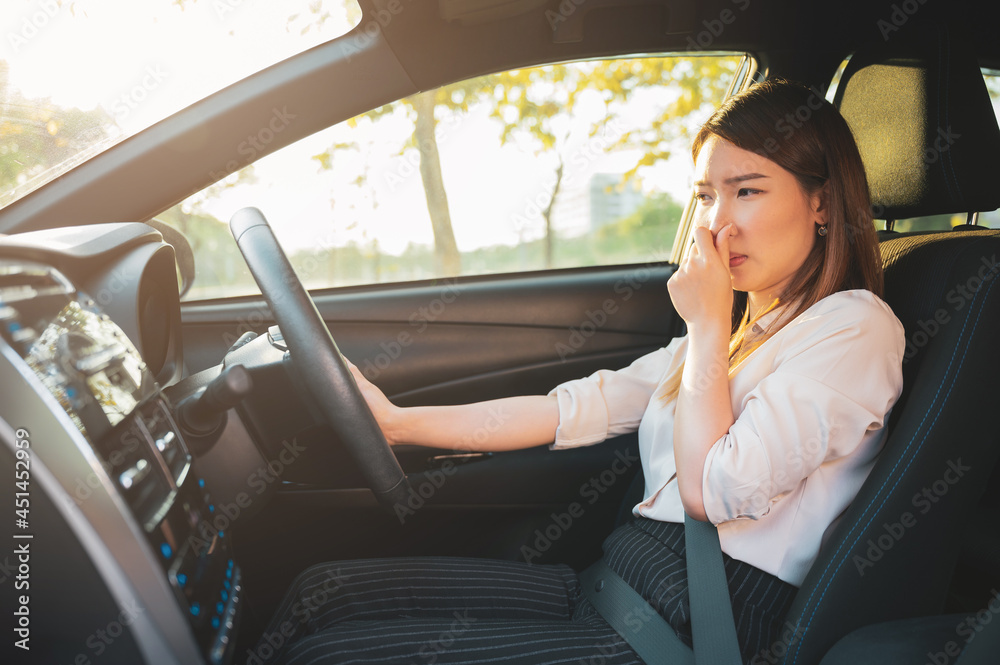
{"x": 502, "y": 424}
{"x": 702, "y": 293}
{"x": 704, "y": 412}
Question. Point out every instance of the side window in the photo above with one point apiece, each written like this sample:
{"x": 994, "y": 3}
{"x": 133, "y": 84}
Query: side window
{"x": 987, "y": 219}
{"x": 561, "y": 166}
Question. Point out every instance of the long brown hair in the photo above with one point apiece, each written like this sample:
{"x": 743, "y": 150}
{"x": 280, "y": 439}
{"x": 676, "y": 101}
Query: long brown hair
{"x": 797, "y": 129}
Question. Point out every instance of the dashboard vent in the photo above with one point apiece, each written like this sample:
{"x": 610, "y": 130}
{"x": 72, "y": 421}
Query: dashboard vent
{"x": 21, "y": 281}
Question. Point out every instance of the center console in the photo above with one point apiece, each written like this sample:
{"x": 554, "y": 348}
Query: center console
{"x": 134, "y": 448}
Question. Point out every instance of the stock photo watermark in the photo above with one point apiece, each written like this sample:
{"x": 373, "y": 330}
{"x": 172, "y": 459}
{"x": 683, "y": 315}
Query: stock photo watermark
{"x": 33, "y": 23}
{"x": 101, "y": 639}
{"x": 773, "y": 654}
{"x": 898, "y": 16}
{"x": 595, "y": 319}
{"x": 957, "y": 297}
{"x": 435, "y": 478}
{"x": 923, "y": 501}
{"x": 966, "y": 630}
{"x": 420, "y": 319}
{"x": 431, "y": 651}
{"x": 123, "y": 105}
{"x": 255, "y": 143}
{"x": 593, "y": 148}
{"x": 223, "y": 515}
{"x": 591, "y": 492}
{"x": 407, "y": 164}
{"x": 715, "y": 27}
{"x": 302, "y": 611}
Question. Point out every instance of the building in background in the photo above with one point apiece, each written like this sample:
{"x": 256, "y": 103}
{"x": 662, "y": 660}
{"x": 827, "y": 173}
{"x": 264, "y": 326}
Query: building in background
{"x": 611, "y": 198}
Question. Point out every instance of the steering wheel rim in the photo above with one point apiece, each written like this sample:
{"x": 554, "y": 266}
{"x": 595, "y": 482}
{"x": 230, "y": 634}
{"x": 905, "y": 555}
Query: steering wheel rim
{"x": 326, "y": 375}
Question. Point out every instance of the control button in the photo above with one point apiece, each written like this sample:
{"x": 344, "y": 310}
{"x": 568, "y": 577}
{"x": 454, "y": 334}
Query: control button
{"x": 215, "y": 622}
{"x": 130, "y": 477}
{"x": 182, "y": 579}
{"x": 220, "y": 607}
{"x": 276, "y": 339}
{"x": 166, "y": 550}
{"x": 195, "y": 608}
{"x": 165, "y": 441}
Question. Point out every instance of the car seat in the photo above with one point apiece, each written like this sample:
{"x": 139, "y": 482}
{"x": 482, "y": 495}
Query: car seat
{"x": 928, "y": 135}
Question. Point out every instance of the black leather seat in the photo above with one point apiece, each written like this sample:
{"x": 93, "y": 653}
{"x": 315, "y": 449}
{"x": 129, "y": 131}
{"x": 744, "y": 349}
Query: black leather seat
{"x": 892, "y": 556}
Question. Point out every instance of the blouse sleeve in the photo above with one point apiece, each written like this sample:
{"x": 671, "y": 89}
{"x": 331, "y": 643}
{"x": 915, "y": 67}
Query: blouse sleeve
{"x": 836, "y": 378}
{"x": 610, "y": 402}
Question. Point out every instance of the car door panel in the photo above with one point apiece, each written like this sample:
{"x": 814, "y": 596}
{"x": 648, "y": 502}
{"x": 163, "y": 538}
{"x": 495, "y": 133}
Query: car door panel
{"x": 555, "y": 317}
{"x": 492, "y": 337}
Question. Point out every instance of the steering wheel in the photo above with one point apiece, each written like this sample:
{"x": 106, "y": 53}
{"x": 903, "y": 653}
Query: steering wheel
{"x": 320, "y": 365}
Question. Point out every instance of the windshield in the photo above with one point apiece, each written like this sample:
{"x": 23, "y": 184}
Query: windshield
{"x": 77, "y": 76}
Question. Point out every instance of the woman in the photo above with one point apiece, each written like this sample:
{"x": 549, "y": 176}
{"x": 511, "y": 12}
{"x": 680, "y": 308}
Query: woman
{"x": 764, "y": 419}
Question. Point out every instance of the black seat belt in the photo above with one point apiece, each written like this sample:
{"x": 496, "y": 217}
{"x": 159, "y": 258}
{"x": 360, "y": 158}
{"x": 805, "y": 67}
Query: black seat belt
{"x": 648, "y": 633}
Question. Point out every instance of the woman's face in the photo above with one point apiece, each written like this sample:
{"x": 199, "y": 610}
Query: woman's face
{"x": 774, "y": 221}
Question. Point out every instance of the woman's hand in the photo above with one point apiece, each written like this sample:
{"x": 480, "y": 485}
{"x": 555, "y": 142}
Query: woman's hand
{"x": 508, "y": 423}
{"x": 702, "y": 288}
{"x": 386, "y": 413}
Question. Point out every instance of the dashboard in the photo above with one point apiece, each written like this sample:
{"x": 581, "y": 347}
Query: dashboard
{"x": 112, "y": 553}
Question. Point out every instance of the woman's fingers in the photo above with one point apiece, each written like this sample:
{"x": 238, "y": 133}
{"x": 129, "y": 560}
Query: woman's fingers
{"x": 722, "y": 243}
{"x": 704, "y": 244}
{"x": 354, "y": 370}
{"x": 701, "y": 288}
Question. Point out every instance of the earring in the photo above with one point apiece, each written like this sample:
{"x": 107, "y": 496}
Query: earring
{"x": 821, "y": 230}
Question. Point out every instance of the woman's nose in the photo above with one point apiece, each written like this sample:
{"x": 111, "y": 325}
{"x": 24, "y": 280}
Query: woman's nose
{"x": 717, "y": 218}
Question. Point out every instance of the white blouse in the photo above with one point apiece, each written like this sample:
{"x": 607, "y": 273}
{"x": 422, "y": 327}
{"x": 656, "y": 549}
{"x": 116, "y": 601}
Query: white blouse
{"x": 811, "y": 405}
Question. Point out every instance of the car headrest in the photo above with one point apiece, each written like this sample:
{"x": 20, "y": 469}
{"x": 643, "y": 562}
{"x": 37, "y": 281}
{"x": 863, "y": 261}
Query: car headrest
{"x": 924, "y": 124}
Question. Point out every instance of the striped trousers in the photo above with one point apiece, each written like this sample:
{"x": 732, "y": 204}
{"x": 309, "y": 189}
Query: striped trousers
{"x": 430, "y": 610}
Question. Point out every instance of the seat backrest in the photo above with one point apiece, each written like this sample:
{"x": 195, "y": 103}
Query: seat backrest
{"x": 893, "y": 552}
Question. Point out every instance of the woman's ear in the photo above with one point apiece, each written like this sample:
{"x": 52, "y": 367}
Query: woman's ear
{"x": 818, "y": 204}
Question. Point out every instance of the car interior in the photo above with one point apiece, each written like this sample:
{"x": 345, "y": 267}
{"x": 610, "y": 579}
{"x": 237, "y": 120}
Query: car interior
{"x": 183, "y": 472}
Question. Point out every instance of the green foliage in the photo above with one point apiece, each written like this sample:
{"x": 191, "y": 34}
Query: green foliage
{"x": 651, "y": 228}
{"x": 37, "y": 135}
{"x": 527, "y": 101}
{"x": 645, "y": 235}
{"x": 226, "y": 273}
{"x": 537, "y": 105}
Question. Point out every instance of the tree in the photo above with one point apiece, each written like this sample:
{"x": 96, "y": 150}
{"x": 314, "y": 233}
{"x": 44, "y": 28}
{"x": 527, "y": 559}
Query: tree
{"x": 531, "y": 104}
{"x": 425, "y": 136}
{"x": 422, "y": 109}
{"x": 36, "y": 135}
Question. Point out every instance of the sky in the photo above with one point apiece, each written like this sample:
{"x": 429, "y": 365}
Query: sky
{"x": 86, "y": 53}
{"x": 141, "y": 61}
